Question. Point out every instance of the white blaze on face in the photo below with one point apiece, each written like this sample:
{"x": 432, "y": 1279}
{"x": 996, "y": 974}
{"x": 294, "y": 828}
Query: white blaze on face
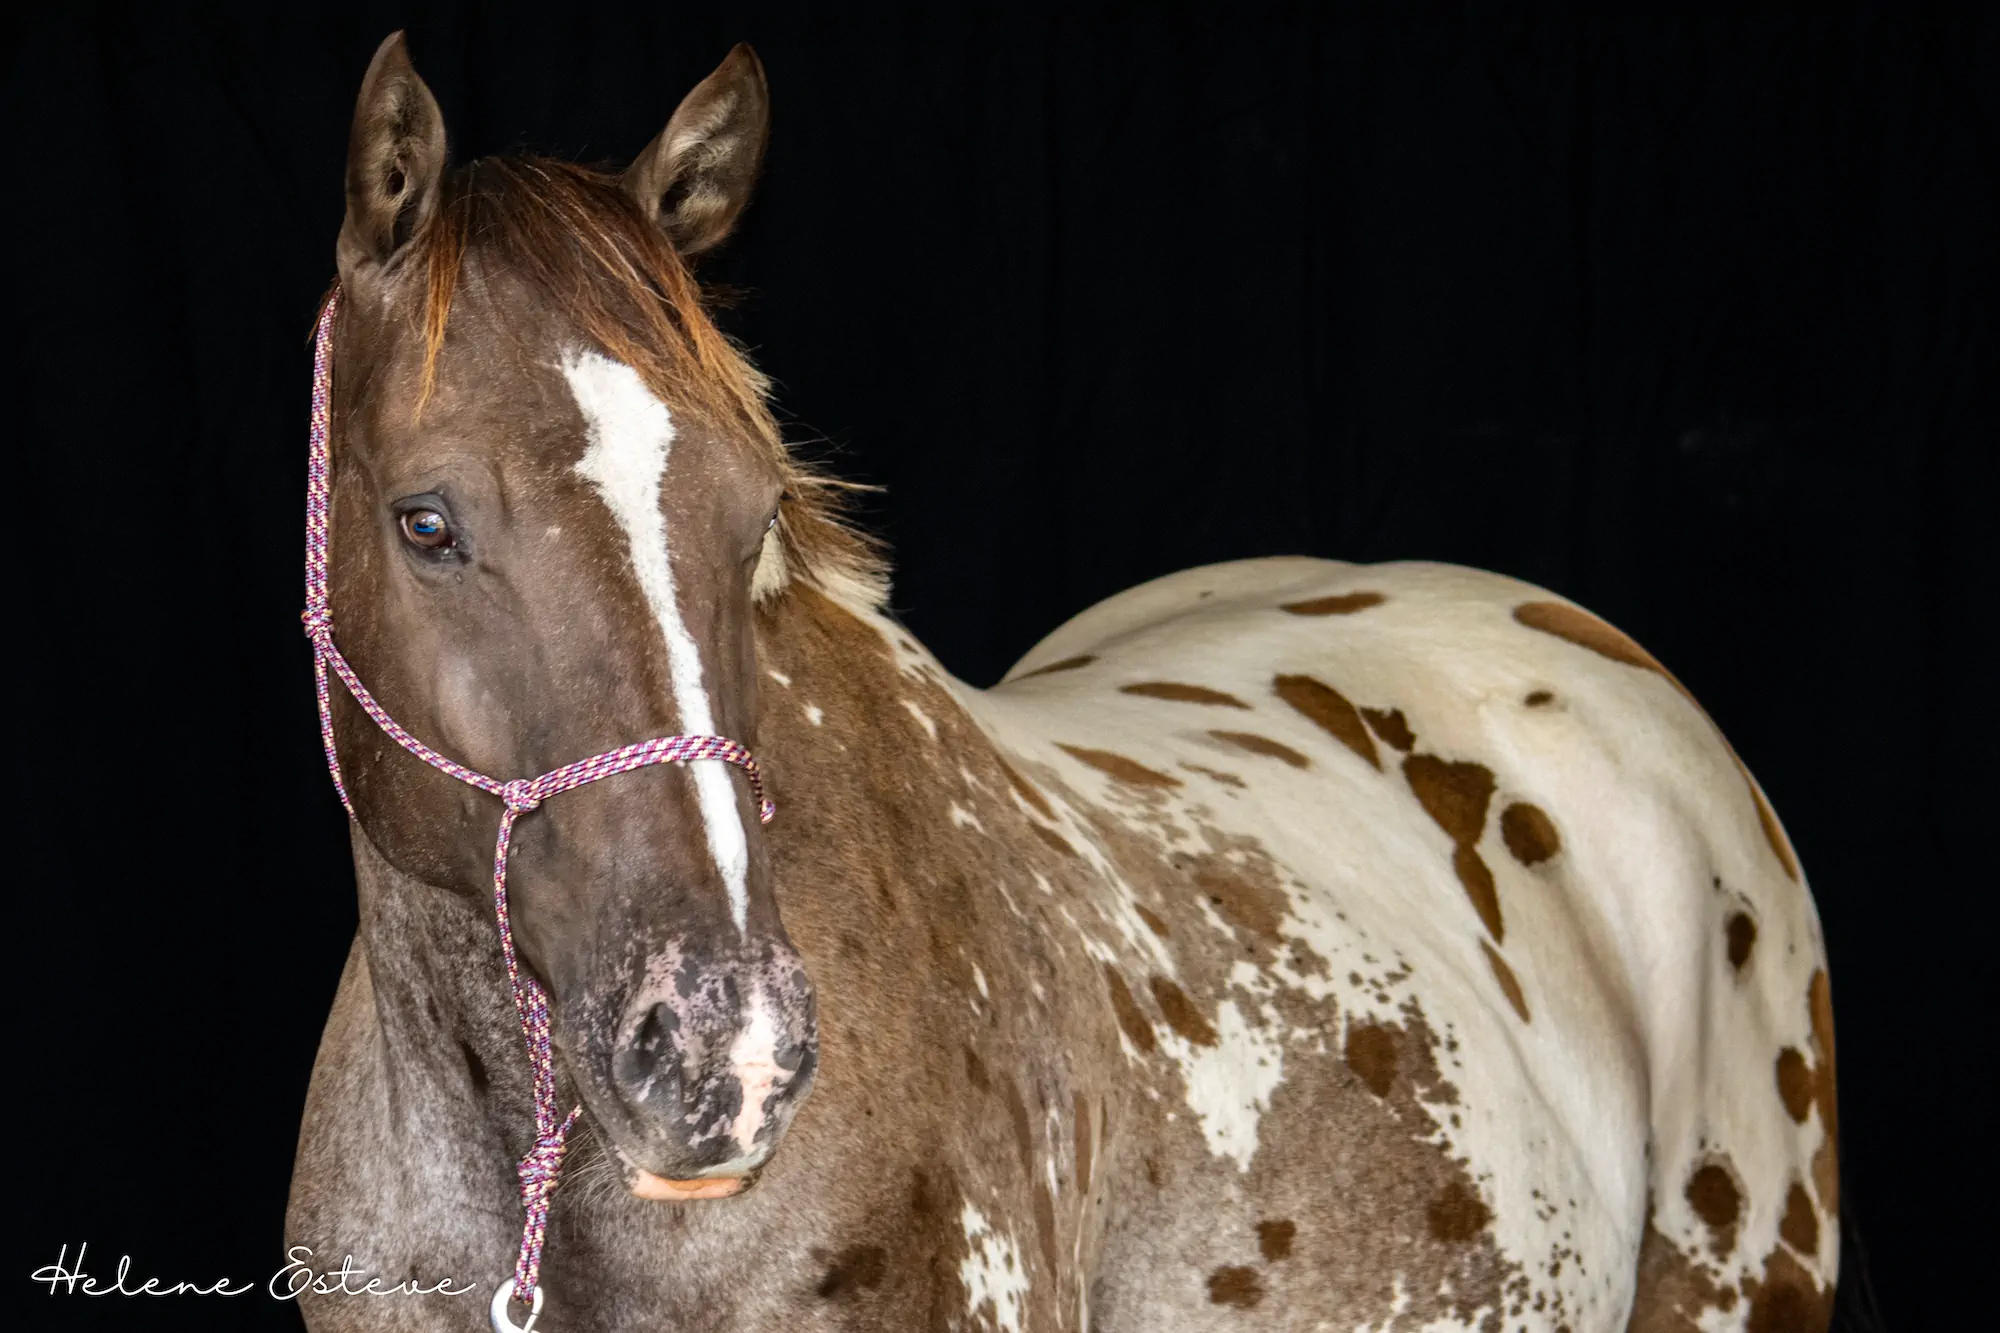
{"x": 631, "y": 435}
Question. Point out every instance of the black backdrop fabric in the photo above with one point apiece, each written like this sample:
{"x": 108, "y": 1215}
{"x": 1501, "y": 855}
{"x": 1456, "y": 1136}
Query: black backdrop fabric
{"x": 1686, "y": 319}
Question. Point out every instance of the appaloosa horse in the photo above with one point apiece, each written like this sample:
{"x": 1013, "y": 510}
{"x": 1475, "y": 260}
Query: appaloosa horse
{"x": 1283, "y": 945}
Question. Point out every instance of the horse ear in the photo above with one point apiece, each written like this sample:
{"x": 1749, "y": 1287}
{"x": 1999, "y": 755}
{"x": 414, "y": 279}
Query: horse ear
{"x": 694, "y": 179}
{"x": 395, "y": 162}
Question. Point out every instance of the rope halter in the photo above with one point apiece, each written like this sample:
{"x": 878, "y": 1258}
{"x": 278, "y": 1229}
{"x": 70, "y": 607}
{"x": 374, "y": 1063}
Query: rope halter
{"x": 538, "y": 1170}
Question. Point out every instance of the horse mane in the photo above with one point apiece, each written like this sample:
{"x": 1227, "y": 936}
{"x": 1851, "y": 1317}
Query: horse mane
{"x": 582, "y": 244}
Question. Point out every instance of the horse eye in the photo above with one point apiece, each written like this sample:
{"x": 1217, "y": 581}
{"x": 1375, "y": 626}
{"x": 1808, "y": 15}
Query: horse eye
{"x": 427, "y": 528}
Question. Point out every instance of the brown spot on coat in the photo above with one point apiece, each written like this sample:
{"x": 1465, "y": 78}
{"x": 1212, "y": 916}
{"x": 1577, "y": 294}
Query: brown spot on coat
{"x": 1152, "y": 920}
{"x": 1067, "y": 664}
{"x": 1477, "y": 878}
{"x": 1235, "y": 1286}
{"x": 1185, "y": 694}
{"x": 1024, "y": 1133}
{"x": 1129, "y": 771}
{"x": 1055, "y": 840}
{"x": 1741, "y": 934}
{"x": 1456, "y": 795}
{"x": 1329, "y": 710}
{"x": 1539, "y": 698}
{"x": 1371, "y": 1054}
{"x": 1391, "y": 726}
{"x": 1509, "y": 986}
{"x": 1586, "y": 631}
{"x": 1339, "y": 604}
{"x": 1826, "y": 1160}
{"x": 1226, "y": 779}
{"x": 1083, "y": 1141}
{"x": 1045, "y": 1225}
{"x": 856, "y": 1268}
{"x": 1819, "y": 1003}
{"x": 1453, "y": 794}
{"x": 1787, "y": 1299}
{"x": 1458, "y": 1214}
{"x": 1241, "y": 903}
{"x": 1826, "y": 1173}
{"x": 1529, "y": 833}
{"x": 1264, "y": 745}
{"x": 1130, "y": 1016}
{"x": 1180, "y": 1013}
{"x": 1795, "y": 1084}
{"x": 1274, "y": 1238}
{"x": 1712, "y": 1193}
{"x": 1027, "y": 790}
{"x": 1799, "y": 1228}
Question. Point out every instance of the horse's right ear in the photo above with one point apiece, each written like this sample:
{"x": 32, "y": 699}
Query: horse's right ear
{"x": 395, "y": 163}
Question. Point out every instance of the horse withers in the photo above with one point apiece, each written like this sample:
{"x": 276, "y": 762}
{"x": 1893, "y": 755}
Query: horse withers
{"x": 1283, "y": 944}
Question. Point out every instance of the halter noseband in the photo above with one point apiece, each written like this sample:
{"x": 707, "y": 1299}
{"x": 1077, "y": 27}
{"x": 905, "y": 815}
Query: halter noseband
{"x": 538, "y": 1170}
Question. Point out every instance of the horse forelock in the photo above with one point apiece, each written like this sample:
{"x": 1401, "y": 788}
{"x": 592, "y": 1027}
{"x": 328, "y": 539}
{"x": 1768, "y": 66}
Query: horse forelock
{"x": 582, "y": 249}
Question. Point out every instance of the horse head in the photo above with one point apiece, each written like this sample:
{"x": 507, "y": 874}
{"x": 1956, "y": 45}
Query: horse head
{"x": 557, "y": 497}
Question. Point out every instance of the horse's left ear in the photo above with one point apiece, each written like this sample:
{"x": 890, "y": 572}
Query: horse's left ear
{"x": 694, "y": 179}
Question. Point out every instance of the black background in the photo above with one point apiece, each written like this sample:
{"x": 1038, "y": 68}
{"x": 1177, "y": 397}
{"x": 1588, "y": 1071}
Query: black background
{"x": 1688, "y": 320}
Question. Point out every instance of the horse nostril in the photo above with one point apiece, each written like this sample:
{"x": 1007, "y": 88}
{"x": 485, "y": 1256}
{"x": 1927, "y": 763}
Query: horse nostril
{"x": 651, "y": 1060}
{"x": 796, "y": 1055}
{"x": 655, "y": 1033}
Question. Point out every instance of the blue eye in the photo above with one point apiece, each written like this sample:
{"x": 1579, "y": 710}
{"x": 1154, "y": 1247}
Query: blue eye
{"x": 427, "y": 528}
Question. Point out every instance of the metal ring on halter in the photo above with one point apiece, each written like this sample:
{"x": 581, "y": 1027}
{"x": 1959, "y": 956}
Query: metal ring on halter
{"x": 501, "y": 1322}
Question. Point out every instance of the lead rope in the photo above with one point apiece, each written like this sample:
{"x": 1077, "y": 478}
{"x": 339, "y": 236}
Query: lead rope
{"x": 539, "y": 1169}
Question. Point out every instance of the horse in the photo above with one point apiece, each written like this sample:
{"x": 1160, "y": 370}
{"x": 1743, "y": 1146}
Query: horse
{"x": 1281, "y": 944}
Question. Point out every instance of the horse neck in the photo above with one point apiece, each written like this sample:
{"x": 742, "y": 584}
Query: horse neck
{"x": 852, "y": 710}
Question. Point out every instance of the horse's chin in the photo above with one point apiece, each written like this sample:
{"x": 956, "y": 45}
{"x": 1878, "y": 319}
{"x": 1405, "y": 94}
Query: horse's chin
{"x": 723, "y": 1181}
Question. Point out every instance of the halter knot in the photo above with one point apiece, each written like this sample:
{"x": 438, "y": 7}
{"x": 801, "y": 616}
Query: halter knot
{"x": 540, "y": 1168}
{"x": 318, "y": 621}
{"x": 520, "y": 795}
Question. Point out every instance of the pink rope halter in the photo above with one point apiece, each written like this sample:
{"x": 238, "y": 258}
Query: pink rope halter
{"x": 538, "y": 1170}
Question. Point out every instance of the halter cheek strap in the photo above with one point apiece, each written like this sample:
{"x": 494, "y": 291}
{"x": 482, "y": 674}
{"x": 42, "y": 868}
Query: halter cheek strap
{"x": 539, "y": 1169}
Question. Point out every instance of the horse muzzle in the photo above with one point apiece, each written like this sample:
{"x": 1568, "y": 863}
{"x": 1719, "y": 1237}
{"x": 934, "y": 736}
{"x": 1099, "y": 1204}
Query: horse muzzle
{"x": 709, "y": 1069}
